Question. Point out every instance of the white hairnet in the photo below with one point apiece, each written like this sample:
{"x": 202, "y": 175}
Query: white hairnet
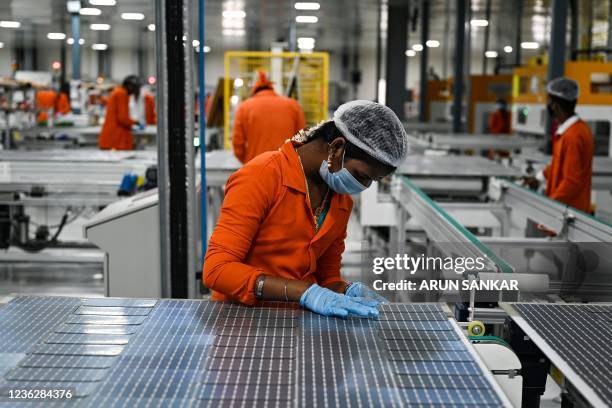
{"x": 563, "y": 88}
{"x": 373, "y": 128}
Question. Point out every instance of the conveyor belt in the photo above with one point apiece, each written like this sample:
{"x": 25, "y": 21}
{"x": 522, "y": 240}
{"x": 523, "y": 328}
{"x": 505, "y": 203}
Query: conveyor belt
{"x": 576, "y": 339}
{"x": 129, "y": 352}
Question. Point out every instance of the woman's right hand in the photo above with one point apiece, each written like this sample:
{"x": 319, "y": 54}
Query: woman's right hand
{"x": 329, "y": 303}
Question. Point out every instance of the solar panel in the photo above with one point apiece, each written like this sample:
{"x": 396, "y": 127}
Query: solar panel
{"x": 576, "y": 338}
{"x": 184, "y": 353}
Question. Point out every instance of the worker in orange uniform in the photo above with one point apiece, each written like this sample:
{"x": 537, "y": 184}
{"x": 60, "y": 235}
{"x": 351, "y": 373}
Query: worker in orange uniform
{"x": 264, "y": 121}
{"x": 117, "y": 129}
{"x": 499, "y": 121}
{"x": 568, "y": 176}
{"x": 62, "y": 104}
{"x": 284, "y": 217}
{"x": 45, "y": 102}
{"x": 149, "y": 105}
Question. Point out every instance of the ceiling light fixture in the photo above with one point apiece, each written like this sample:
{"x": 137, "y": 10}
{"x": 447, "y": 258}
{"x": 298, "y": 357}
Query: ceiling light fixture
{"x": 151, "y": 27}
{"x": 306, "y": 19}
{"x": 479, "y": 23}
{"x": 132, "y": 16}
{"x": 90, "y": 11}
{"x": 99, "y": 47}
{"x": 10, "y": 24}
{"x": 100, "y": 27}
{"x": 417, "y": 47}
{"x": 530, "y": 45}
{"x": 410, "y": 53}
{"x": 307, "y": 6}
{"x": 491, "y": 54}
{"x": 507, "y": 49}
{"x": 56, "y": 36}
{"x": 432, "y": 43}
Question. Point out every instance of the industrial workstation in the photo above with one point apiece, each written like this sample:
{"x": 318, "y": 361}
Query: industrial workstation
{"x": 297, "y": 203}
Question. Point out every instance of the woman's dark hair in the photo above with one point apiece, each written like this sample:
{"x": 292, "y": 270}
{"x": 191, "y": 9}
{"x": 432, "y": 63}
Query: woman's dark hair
{"x": 328, "y": 131}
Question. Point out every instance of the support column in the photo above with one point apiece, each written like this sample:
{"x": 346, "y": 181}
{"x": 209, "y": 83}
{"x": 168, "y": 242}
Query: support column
{"x": 76, "y": 47}
{"x": 458, "y": 87}
{"x": 486, "y": 38}
{"x": 397, "y": 41}
{"x": 424, "y": 60}
{"x": 175, "y": 148}
{"x": 519, "y": 27}
{"x": 556, "y": 54}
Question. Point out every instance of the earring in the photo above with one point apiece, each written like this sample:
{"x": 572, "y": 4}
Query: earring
{"x": 329, "y": 164}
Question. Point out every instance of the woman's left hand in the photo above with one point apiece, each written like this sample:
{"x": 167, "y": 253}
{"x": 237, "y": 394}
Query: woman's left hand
{"x": 358, "y": 289}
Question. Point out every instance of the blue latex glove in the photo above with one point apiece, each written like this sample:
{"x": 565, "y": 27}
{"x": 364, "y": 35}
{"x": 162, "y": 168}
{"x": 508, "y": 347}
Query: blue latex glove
{"x": 358, "y": 289}
{"x": 139, "y": 126}
{"x": 329, "y": 303}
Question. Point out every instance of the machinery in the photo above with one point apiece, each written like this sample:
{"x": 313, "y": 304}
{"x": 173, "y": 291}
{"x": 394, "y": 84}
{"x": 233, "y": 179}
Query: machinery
{"x": 594, "y": 103}
{"x": 134, "y": 269}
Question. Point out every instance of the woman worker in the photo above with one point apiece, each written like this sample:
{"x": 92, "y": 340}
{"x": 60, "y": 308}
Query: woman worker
{"x": 280, "y": 235}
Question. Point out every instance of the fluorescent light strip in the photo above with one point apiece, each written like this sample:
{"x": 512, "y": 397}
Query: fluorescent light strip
{"x": 530, "y": 45}
{"x": 10, "y": 24}
{"x": 90, "y": 11}
{"x": 479, "y": 23}
{"x": 307, "y": 6}
{"x": 306, "y": 19}
{"x": 132, "y": 16}
{"x": 56, "y": 36}
{"x": 100, "y": 27}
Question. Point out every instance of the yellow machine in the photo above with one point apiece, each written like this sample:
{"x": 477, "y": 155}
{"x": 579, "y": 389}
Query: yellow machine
{"x": 594, "y": 103}
{"x": 303, "y": 76}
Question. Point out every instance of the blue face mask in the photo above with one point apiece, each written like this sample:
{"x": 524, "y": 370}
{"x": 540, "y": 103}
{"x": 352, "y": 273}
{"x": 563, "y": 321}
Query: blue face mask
{"x": 341, "y": 181}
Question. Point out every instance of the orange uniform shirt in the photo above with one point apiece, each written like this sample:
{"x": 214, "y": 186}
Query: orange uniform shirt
{"x": 267, "y": 227}
{"x": 62, "y": 105}
{"x": 568, "y": 177}
{"x": 263, "y": 122}
{"x": 117, "y": 129}
{"x": 45, "y": 100}
{"x": 150, "y": 113}
{"x": 499, "y": 122}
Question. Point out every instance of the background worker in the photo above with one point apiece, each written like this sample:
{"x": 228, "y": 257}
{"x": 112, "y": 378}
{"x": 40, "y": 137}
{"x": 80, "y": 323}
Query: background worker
{"x": 568, "y": 176}
{"x": 284, "y": 217}
{"x": 117, "y": 129}
{"x": 62, "y": 104}
{"x": 45, "y": 103}
{"x": 264, "y": 121}
{"x": 500, "y": 120}
{"x": 149, "y": 108}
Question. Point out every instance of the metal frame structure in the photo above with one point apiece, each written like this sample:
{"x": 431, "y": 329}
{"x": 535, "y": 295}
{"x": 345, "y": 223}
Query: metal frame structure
{"x": 572, "y": 224}
{"x": 439, "y": 226}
